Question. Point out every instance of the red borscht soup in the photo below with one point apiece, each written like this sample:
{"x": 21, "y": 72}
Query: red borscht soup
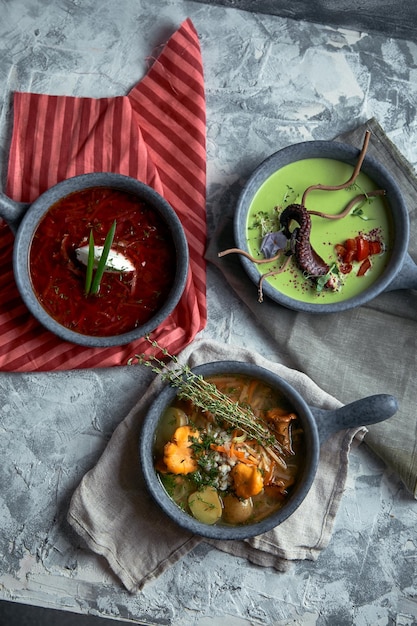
{"x": 125, "y": 300}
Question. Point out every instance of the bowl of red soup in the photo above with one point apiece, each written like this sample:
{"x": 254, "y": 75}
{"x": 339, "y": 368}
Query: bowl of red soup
{"x": 99, "y": 259}
{"x": 232, "y": 450}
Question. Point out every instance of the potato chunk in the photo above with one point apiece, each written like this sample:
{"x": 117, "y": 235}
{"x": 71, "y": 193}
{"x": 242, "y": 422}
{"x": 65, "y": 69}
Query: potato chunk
{"x": 205, "y": 505}
{"x": 236, "y": 510}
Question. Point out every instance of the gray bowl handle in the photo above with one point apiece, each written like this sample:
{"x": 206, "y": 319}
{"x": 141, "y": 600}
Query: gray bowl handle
{"x": 363, "y": 412}
{"x": 11, "y": 211}
{"x": 406, "y": 277}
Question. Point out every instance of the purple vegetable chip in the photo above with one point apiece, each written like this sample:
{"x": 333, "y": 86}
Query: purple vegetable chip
{"x": 272, "y": 243}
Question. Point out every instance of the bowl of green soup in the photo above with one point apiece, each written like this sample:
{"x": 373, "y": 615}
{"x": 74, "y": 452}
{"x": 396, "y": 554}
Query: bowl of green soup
{"x": 318, "y": 234}
{"x": 233, "y": 451}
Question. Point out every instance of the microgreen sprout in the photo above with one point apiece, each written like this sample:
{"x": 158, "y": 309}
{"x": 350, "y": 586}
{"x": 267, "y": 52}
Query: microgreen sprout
{"x": 332, "y": 275}
{"x": 358, "y": 212}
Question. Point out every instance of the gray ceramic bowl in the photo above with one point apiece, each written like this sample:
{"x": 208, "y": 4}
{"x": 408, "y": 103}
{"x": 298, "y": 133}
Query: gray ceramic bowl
{"x": 400, "y": 272}
{"x": 23, "y": 219}
{"x": 318, "y": 425}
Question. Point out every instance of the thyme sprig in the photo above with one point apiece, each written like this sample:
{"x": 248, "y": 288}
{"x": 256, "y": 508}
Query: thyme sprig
{"x": 208, "y": 398}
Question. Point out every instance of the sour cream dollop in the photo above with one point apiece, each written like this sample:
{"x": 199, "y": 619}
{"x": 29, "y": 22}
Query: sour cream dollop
{"x": 116, "y": 261}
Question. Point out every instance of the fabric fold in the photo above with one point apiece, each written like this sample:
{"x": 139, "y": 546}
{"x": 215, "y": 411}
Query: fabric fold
{"x": 156, "y": 134}
{"x": 114, "y": 514}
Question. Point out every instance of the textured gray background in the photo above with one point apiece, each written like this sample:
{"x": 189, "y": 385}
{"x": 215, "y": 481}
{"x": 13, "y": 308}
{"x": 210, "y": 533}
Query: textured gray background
{"x": 270, "y": 81}
{"x": 395, "y": 19}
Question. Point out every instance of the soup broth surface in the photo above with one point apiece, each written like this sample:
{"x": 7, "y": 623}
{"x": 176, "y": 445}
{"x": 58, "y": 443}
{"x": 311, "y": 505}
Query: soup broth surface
{"x": 125, "y": 300}
{"x": 211, "y": 491}
{"x": 286, "y": 186}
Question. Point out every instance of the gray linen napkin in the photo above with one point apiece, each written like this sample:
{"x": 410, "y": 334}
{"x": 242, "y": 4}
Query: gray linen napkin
{"x": 364, "y": 351}
{"x": 112, "y": 511}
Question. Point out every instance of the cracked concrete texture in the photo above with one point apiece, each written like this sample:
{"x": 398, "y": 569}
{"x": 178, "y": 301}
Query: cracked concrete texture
{"x": 270, "y": 81}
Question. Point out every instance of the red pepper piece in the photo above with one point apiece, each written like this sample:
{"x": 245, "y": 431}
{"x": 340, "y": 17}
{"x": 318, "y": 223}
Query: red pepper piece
{"x": 350, "y": 244}
{"x": 364, "y": 267}
{"x": 345, "y": 268}
{"x": 362, "y": 248}
{"x": 375, "y": 247}
{"x": 340, "y": 251}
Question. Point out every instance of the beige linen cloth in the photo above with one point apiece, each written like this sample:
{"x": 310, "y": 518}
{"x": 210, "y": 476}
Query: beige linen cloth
{"x": 368, "y": 350}
{"x": 116, "y": 517}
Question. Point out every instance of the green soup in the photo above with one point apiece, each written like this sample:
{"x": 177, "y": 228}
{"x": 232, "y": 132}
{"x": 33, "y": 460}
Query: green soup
{"x": 286, "y": 186}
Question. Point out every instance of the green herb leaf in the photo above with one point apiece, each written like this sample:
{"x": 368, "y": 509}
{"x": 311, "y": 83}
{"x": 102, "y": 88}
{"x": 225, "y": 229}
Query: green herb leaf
{"x": 358, "y": 212}
{"x": 103, "y": 259}
{"x": 90, "y": 263}
{"x": 323, "y": 280}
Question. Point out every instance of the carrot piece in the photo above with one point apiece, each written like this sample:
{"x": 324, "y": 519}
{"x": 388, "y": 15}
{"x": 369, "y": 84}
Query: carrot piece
{"x": 217, "y": 448}
{"x": 239, "y": 454}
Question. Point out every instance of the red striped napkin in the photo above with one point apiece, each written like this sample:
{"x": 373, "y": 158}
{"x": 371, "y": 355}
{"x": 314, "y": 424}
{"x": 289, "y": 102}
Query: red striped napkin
{"x": 155, "y": 134}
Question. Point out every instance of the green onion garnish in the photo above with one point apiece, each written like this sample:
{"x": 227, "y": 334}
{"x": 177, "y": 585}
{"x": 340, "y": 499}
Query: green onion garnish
{"x": 95, "y": 285}
{"x": 90, "y": 263}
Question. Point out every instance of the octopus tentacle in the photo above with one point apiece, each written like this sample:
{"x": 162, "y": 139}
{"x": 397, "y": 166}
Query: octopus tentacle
{"x": 307, "y": 258}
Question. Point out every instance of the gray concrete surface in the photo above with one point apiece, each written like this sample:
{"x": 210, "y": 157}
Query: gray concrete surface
{"x": 372, "y": 16}
{"x": 270, "y": 81}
